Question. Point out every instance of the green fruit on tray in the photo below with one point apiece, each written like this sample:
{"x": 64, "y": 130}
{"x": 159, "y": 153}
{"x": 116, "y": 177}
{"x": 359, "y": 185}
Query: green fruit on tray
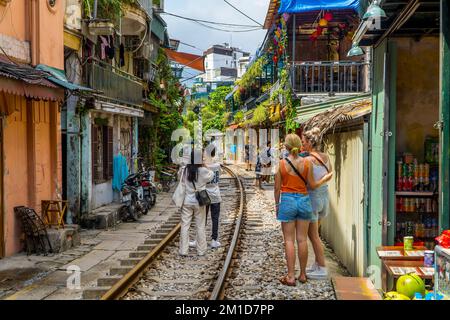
{"x": 395, "y": 296}
{"x": 410, "y": 284}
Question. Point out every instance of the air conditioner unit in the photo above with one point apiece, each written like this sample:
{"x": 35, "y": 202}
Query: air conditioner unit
{"x": 145, "y": 51}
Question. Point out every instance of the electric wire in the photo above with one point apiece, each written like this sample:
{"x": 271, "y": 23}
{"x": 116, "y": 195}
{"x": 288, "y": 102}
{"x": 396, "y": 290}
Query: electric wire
{"x": 242, "y": 13}
{"x": 226, "y": 30}
{"x": 212, "y": 22}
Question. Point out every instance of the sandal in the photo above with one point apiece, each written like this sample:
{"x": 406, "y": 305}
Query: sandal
{"x": 302, "y": 281}
{"x": 284, "y": 280}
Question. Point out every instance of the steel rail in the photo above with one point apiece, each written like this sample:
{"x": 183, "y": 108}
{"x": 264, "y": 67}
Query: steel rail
{"x": 128, "y": 280}
{"x": 123, "y": 285}
{"x": 219, "y": 289}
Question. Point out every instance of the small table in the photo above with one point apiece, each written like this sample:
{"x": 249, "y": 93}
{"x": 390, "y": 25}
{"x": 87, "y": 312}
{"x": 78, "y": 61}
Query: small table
{"x": 397, "y": 268}
{"x": 398, "y": 254}
{"x": 52, "y": 209}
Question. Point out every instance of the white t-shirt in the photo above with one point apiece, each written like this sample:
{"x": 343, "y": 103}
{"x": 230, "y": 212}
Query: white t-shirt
{"x": 204, "y": 176}
{"x": 213, "y": 186}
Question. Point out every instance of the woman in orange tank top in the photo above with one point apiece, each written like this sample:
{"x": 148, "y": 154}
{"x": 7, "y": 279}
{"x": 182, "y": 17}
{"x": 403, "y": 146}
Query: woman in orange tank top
{"x": 293, "y": 206}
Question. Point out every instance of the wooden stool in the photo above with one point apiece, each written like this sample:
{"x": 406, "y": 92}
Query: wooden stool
{"x": 52, "y": 209}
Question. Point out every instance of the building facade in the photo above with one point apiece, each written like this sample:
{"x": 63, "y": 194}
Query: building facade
{"x": 30, "y": 131}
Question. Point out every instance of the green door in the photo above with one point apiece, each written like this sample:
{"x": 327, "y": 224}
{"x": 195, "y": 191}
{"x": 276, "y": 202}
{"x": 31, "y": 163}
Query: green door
{"x": 445, "y": 115}
{"x": 381, "y": 222}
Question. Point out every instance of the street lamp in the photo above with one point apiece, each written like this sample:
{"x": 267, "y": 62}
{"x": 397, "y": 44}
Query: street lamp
{"x": 374, "y": 11}
{"x": 355, "y": 51}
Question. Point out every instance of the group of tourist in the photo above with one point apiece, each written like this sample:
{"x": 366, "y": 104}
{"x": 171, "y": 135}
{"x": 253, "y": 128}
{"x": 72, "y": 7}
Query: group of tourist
{"x": 301, "y": 199}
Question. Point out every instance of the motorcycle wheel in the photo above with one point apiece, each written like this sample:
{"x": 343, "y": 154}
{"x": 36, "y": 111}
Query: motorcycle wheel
{"x": 153, "y": 199}
{"x": 123, "y": 213}
{"x": 133, "y": 213}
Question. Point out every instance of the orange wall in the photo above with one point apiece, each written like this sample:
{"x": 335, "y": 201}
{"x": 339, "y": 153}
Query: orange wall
{"x": 42, "y": 26}
{"x": 32, "y": 161}
{"x": 14, "y": 21}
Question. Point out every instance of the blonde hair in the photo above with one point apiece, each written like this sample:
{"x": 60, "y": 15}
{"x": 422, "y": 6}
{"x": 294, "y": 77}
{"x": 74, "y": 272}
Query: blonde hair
{"x": 293, "y": 143}
{"x": 313, "y": 136}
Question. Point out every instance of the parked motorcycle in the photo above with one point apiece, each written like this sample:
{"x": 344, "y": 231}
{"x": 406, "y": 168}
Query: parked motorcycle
{"x": 149, "y": 189}
{"x": 132, "y": 198}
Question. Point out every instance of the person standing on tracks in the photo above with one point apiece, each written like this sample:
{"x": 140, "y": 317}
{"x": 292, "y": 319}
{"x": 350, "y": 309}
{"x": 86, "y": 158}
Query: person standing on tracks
{"x": 321, "y": 166}
{"x": 195, "y": 178}
{"x": 293, "y": 206}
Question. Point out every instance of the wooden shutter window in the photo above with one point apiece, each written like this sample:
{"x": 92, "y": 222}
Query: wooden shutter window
{"x": 94, "y": 148}
{"x": 110, "y": 153}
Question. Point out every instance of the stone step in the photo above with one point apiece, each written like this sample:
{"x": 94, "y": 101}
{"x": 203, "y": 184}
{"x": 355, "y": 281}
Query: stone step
{"x": 119, "y": 270}
{"x": 138, "y": 254}
{"x": 95, "y": 293}
{"x": 152, "y": 241}
{"x": 129, "y": 262}
{"x": 108, "y": 281}
{"x": 146, "y": 248}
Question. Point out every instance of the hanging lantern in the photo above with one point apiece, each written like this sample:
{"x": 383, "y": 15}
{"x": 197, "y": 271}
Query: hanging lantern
{"x": 319, "y": 31}
{"x": 314, "y": 36}
{"x": 328, "y": 16}
{"x": 275, "y": 59}
{"x": 280, "y": 51}
{"x": 323, "y": 23}
{"x": 275, "y": 42}
{"x": 285, "y": 17}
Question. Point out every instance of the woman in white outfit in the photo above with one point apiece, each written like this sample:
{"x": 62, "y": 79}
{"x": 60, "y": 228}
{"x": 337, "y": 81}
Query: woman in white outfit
{"x": 195, "y": 178}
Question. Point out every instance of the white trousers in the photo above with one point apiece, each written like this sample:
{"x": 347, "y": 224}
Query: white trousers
{"x": 186, "y": 218}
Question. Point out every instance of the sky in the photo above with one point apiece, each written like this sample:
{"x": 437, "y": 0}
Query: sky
{"x": 215, "y": 10}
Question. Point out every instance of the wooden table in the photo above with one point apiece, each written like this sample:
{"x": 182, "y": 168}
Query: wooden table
{"x": 401, "y": 257}
{"x": 53, "y": 212}
{"x": 390, "y": 265}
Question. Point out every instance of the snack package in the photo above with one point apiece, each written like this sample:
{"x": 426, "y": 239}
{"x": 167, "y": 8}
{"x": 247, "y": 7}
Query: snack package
{"x": 444, "y": 239}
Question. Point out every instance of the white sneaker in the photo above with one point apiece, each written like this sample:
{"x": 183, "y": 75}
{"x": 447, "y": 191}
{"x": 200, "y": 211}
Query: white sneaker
{"x": 320, "y": 274}
{"x": 215, "y": 244}
{"x": 312, "y": 267}
{"x": 192, "y": 244}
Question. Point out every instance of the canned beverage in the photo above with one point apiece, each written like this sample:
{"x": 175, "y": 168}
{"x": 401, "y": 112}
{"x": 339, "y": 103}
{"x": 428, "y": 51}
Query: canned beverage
{"x": 428, "y": 259}
{"x": 408, "y": 243}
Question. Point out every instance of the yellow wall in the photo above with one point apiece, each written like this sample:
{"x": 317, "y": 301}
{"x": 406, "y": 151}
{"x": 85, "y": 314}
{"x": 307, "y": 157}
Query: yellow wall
{"x": 417, "y": 93}
{"x": 343, "y": 229}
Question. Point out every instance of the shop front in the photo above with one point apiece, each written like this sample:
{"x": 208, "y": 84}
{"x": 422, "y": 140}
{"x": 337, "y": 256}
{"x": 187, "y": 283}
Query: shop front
{"x": 408, "y": 154}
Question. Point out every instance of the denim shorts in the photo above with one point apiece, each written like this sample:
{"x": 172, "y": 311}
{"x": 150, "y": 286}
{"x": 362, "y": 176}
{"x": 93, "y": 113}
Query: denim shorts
{"x": 320, "y": 202}
{"x": 295, "y": 206}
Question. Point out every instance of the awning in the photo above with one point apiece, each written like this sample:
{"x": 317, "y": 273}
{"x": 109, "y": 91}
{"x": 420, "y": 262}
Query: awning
{"x": 23, "y": 80}
{"x": 187, "y": 59}
{"x": 299, "y": 6}
{"x": 331, "y": 113}
{"x": 59, "y": 77}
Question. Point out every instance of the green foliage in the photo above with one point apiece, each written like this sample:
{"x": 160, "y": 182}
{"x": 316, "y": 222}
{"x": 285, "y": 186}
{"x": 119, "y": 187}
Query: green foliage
{"x": 106, "y": 9}
{"x": 253, "y": 73}
{"x": 260, "y": 114}
{"x": 238, "y": 117}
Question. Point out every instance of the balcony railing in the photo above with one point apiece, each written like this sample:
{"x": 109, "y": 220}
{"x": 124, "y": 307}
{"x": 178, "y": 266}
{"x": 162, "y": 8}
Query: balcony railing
{"x": 114, "y": 84}
{"x": 342, "y": 77}
{"x": 147, "y": 6}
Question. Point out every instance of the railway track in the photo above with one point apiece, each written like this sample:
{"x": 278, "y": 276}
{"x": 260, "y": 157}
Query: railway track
{"x": 158, "y": 272}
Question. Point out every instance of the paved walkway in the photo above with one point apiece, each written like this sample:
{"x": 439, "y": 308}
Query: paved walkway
{"x": 45, "y": 277}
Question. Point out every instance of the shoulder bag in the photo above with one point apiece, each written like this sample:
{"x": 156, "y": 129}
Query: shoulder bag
{"x": 296, "y": 171}
{"x": 202, "y": 197}
{"x": 180, "y": 192}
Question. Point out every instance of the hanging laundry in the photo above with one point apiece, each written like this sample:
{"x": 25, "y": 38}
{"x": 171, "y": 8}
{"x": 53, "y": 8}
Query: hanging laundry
{"x": 111, "y": 51}
{"x": 120, "y": 171}
{"x": 122, "y": 55}
{"x": 104, "y": 45}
